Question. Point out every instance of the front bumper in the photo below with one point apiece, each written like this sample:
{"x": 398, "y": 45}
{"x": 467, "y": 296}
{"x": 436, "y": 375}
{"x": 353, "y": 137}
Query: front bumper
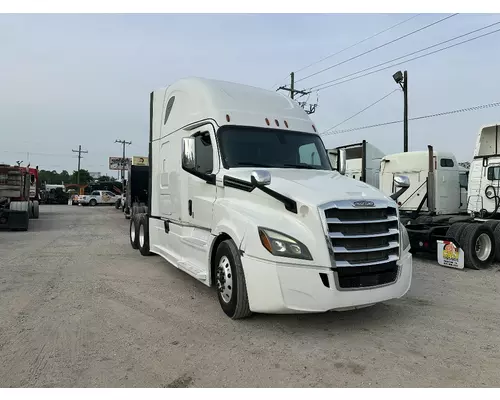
{"x": 278, "y": 288}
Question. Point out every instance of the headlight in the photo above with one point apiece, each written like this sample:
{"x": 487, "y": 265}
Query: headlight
{"x": 282, "y": 245}
{"x": 405, "y": 239}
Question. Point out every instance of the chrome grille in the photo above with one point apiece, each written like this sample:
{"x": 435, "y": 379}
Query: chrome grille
{"x": 365, "y": 241}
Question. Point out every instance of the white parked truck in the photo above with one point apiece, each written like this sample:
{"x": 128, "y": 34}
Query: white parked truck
{"x": 484, "y": 176}
{"x": 242, "y": 196}
{"x": 363, "y": 161}
{"x": 434, "y": 208}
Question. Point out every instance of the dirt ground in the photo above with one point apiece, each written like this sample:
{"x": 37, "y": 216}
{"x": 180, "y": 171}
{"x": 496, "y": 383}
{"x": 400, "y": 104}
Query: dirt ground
{"x": 80, "y": 308}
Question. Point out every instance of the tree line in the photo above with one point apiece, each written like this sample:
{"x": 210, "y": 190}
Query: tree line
{"x": 58, "y": 178}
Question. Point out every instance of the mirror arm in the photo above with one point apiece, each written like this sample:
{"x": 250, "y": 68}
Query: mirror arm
{"x": 395, "y": 196}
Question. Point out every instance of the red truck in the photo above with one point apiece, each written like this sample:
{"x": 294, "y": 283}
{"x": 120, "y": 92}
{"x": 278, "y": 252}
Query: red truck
{"x": 17, "y": 204}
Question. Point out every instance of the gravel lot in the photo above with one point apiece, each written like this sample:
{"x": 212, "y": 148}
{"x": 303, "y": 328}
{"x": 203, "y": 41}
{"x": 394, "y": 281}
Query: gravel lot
{"x": 80, "y": 308}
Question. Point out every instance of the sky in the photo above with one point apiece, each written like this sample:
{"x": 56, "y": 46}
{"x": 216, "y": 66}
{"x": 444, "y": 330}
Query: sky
{"x": 68, "y": 80}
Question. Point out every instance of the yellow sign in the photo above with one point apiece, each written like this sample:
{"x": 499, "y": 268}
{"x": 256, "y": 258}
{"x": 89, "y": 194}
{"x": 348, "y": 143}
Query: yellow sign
{"x": 137, "y": 160}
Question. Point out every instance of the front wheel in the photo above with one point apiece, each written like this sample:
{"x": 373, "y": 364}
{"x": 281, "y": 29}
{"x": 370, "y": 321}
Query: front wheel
{"x": 230, "y": 279}
{"x": 93, "y": 203}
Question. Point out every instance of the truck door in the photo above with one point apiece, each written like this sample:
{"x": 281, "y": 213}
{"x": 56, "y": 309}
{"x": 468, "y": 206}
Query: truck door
{"x": 201, "y": 195}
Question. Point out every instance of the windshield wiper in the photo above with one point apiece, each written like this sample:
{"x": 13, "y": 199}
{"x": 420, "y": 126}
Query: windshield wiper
{"x": 301, "y": 166}
{"x": 253, "y": 164}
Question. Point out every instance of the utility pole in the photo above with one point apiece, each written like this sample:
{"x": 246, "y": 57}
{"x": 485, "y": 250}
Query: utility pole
{"x": 405, "y": 95}
{"x": 402, "y": 80}
{"x": 79, "y": 151}
{"x": 293, "y": 92}
{"x": 123, "y": 143}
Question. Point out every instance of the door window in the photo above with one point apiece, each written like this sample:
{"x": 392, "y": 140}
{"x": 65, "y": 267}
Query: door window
{"x": 494, "y": 173}
{"x": 204, "y": 153}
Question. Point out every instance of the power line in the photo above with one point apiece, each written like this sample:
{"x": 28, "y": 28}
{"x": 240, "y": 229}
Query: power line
{"x": 378, "y": 47}
{"x": 411, "y": 59}
{"x": 404, "y": 56}
{"x": 461, "y": 110}
{"x": 348, "y": 47}
{"x": 363, "y": 110}
{"x": 357, "y": 43}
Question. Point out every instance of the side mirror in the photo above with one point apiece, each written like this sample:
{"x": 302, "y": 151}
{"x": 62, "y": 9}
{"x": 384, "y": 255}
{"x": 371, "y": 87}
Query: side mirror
{"x": 401, "y": 181}
{"x": 260, "y": 178}
{"x": 188, "y": 153}
{"x": 341, "y": 161}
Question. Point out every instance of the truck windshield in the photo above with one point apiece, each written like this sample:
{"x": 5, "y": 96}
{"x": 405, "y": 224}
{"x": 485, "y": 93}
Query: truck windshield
{"x": 271, "y": 148}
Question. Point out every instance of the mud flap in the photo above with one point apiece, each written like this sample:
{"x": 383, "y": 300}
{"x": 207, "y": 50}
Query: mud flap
{"x": 18, "y": 220}
{"x": 450, "y": 254}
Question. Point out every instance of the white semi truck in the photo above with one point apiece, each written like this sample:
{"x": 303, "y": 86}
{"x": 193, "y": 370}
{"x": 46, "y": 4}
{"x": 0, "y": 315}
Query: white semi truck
{"x": 242, "y": 196}
{"x": 448, "y": 202}
{"x": 363, "y": 161}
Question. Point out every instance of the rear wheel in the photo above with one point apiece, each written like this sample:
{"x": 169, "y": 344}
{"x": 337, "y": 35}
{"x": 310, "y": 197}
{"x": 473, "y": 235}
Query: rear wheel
{"x": 230, "y": 279}
{"x": 31, "y": 212}
{"x": 478, "y": 244}
{"x": 143, "y": 234}
{"x": 133, "y": 231}
{"x": 455, "y": 231}
{"x": 36, "y": 209}
{"x": 117, "y": 204}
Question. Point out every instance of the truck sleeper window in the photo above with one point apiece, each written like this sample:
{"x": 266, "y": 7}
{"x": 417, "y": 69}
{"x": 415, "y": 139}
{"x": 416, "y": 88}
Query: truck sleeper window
{"x": 494, "y": 173}
{"x": 271, "y": 148}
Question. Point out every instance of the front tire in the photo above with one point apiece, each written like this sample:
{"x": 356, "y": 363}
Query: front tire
{"x": 230, "y": 281}
{"x": 93, "y": 203}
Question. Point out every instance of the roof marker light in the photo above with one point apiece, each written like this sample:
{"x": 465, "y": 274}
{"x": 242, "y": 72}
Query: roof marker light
{"x": 227, "y": 118}
{"x": 267, "y": 121}
{"x": 286, "y": 124}
{"x": 276, "y": 122}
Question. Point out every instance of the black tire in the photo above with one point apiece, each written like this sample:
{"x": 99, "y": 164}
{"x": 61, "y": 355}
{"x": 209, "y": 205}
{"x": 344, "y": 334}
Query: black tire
{"x": 134, "y": 233}
{"x": 492, "y": 224}
{"x": 496, "y": 234}
{"x": 455, "y": 230}
{"x": 117, "y": 204}
{"x": 143, "y": 237}
{"x": 228, "y": 266}
{"x": 36, "y": 209}
{"x": 30, "y": 209}
{"x": 92, "y": 202}
{"x": 468, "y": 242}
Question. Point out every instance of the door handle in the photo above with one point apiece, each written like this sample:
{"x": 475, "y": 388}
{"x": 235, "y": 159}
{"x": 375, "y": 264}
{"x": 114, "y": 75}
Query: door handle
{"x": 190, "y": 208}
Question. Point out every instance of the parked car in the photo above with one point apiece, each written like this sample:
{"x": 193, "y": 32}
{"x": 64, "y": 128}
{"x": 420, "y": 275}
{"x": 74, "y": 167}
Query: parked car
{"x": 98, "y": 197}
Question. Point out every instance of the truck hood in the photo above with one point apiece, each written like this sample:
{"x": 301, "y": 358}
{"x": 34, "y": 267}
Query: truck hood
{"x": 314, "y": 187}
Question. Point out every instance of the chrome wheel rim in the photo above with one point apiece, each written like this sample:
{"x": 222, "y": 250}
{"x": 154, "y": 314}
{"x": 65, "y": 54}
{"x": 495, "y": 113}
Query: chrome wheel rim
{"x": 483, "y": 246}
{"x": 225, "y": 279}
{"x": 141, "y": 235}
